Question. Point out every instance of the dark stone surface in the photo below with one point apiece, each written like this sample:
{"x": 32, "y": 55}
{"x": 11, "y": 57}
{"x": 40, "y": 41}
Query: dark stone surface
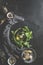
{"x": 31, "y": 10}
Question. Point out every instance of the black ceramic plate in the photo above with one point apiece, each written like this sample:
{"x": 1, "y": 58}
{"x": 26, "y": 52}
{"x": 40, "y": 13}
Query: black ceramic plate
{"x": 7, "y": 33}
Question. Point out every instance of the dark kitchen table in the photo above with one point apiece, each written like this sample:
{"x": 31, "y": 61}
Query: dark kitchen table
{"x": 31, "y": 10}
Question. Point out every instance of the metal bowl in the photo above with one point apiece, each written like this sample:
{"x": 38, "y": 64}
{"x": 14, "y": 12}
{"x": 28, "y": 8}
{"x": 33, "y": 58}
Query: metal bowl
{"x": 29, "y": 55}
{"x": 11, "y": 60}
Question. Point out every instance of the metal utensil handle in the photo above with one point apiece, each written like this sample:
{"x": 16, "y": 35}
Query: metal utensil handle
{"x": 19, "y": 17}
